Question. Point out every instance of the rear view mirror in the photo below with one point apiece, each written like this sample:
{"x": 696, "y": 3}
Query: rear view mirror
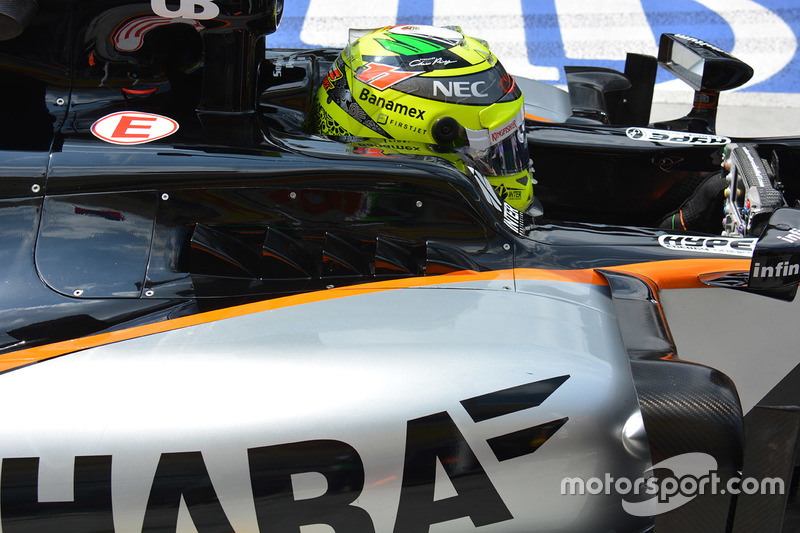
{"x": 700, "y": 64}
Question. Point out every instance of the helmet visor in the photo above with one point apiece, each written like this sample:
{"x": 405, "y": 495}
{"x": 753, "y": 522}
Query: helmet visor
{"x": 506, "y": 155}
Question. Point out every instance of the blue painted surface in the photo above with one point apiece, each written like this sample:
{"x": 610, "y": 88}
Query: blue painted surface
{"x": 415, "y": 12}
{"x": 543, "y": 35}
{"x": 689, "y": 18}
{"x": 288, "y": 34}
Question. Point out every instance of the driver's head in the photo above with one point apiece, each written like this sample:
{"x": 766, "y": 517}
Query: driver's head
{"x": 431, "y": 85}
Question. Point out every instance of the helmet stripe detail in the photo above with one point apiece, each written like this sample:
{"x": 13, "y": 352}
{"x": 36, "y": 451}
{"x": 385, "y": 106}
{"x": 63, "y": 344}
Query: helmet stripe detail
{"x": 382, "y": 76}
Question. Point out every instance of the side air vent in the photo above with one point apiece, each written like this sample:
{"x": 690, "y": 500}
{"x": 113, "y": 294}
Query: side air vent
{"x": 395, "y": 260}
{"x": 305, "y": 255}
{"x": 216, "y": 253}
{"x": 443, "y": 258}
{"x": 347, "y": 257}
{"x": 227, "y": 260}
{"x": 284, "y": 257}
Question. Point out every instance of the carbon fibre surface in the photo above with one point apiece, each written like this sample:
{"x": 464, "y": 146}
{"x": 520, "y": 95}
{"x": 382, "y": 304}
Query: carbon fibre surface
{"x": 691, "y": 408}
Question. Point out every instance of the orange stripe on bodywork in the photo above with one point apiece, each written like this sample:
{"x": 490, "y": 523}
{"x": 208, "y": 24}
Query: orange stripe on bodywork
{"x": 672, "y": 274}
{"x": 588, "y": 275}
{"x": 682, "y": 273}
{"x": 41, "y": 353}
{"x": 669, "y": 274}
{"x": 537, "y": 119}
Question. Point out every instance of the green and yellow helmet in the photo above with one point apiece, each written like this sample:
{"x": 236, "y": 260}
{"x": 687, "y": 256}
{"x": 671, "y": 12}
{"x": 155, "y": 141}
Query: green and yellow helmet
{"x": 431, "y": 85}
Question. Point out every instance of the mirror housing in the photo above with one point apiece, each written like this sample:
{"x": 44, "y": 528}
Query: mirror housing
{"x": 708, "y": 70}
{"x": 700, "y": 64}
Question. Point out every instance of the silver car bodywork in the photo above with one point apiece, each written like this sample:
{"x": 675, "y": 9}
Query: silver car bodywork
{"x": 366, "y": 397}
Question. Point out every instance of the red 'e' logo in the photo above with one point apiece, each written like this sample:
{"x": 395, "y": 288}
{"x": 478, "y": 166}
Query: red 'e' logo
{"x": 133, "y": 127}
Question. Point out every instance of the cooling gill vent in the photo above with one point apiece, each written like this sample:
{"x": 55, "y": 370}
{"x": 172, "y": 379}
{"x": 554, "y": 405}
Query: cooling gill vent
{"x": 218, "y": 253}
{"x": 287, "y": 257}
{"x": 444, "y": 258}
{"x": 270, "y": 254}
{"x": 344, "y": 257}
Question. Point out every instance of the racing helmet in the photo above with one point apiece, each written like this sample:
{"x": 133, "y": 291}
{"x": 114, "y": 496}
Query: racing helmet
{"x": 432, "y": 85}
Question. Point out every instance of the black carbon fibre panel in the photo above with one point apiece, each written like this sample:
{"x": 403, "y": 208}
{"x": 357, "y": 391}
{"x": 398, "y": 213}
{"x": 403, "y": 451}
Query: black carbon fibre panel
{"x": 691, "y": 408}
{"x": 641, "y": 69}
{"x": 641, "y": 318}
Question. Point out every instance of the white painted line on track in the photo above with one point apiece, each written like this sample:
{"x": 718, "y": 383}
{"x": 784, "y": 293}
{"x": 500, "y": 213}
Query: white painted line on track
{"x": 590, "y": 30}
{"x": 762, "y": 39}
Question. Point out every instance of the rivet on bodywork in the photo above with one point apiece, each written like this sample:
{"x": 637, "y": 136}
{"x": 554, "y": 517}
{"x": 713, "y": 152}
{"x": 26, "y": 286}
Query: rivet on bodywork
{"x": 419, "y": 203}
{"x": 77, "y": 292}
{"x": 292, "y": 195}
{"x": 35, "y": 188}
{"x": 165, "y": 196}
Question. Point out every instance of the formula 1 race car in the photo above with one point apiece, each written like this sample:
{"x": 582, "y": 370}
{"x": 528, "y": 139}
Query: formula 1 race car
{"x": 214, "y": 320}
